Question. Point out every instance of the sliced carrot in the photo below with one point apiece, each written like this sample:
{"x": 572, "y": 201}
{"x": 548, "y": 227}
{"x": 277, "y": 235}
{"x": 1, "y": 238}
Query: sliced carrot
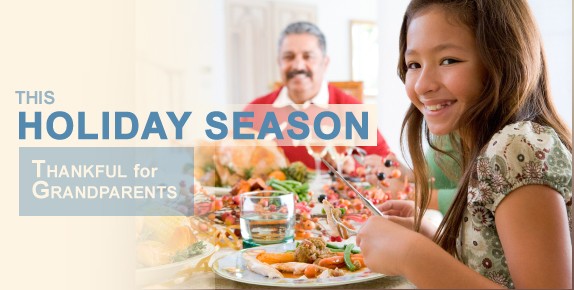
{"x": 332, "y": 262}
{"x": 341, "y": 254}
{"x": 359, "y": 262}
{"x": 311, "y": 271}
{"x": 354, "y": 257}
{"x": 273, "y": 258}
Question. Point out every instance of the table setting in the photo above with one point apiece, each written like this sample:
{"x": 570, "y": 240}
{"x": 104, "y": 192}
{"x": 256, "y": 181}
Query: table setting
{"x": 291, "y": 228}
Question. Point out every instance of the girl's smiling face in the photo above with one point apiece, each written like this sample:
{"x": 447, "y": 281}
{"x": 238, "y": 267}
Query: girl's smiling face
{"x": 445, "y": 74}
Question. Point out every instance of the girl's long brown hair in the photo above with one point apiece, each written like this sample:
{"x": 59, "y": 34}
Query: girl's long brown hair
{"x": 516, "y": 89}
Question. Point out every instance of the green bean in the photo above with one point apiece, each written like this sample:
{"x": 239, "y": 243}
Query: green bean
{"x": 337, "y": 250}
{"x": 347, "y": 257}
{"x": 293, "y": 182}
{"x": 278, "y": 187}
{"x": 333, "y": 246}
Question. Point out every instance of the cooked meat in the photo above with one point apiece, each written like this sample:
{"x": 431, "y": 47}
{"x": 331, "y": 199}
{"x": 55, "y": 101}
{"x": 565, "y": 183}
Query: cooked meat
{"x": 319, "y": 243}
{"x": 310, "y": 270}
{"x": 310, "y": 250}
{"x": 256, "y": 184}
{"x": 240, "y": 187}
{"x": 333, "y": 220}
{"x": 233, "y": 160}
{"x": 260, "y": 268}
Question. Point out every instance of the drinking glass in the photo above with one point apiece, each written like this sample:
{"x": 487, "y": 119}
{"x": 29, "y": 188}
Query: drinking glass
{"x": 267, "y": 217}
{"x": 317, "y": 150}
{"x": 338, "y": 154}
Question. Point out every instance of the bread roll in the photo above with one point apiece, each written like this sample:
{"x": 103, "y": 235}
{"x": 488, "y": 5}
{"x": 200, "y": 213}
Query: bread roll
{"x": 181, "y": 238}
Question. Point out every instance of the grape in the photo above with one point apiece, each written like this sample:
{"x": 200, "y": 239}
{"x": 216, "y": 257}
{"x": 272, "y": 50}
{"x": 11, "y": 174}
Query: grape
{"x": 381, "y": 176}
{"x": 388, "y": 163}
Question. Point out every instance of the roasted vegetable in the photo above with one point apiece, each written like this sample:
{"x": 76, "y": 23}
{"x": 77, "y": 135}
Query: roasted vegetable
{"x": 296, "y": 171}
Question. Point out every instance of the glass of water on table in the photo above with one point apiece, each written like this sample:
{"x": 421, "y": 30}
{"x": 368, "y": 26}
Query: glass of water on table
{"x": 267, "y": 217}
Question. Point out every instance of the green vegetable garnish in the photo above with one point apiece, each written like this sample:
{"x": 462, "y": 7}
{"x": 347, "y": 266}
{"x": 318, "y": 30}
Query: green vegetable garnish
{"x": 333, "y": 246}
{"x": 347, "y": 257}
{"x": 193, "y": 250}
{"x": 335, "y": 249}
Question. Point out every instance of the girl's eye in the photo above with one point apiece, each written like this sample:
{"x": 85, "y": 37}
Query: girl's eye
{"x": 448, "y": 61}
{"x": 413, "y": 65}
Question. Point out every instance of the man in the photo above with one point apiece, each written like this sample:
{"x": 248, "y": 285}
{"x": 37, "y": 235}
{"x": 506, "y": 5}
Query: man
{"x": 303, "y": 62}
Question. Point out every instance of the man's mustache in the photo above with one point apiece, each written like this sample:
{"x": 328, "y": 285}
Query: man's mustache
{"x": 293, "y": 73}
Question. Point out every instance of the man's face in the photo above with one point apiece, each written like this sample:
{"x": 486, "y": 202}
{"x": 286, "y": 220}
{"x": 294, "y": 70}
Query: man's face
{"x": 302, "y": 66}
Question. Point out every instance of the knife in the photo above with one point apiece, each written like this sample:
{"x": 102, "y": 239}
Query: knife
{"x": 365, "y": 201}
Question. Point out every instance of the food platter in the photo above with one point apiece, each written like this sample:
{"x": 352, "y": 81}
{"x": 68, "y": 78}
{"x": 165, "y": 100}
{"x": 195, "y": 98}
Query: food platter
{"x": 233, "y": 267}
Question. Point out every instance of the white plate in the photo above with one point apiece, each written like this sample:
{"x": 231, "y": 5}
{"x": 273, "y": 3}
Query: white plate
{"x": 158, "y": 274}
{"x": 244, "y": 275}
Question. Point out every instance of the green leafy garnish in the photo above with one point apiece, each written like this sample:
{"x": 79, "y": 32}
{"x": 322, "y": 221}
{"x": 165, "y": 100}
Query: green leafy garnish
{"x": 248, "y": 172}
{"x": 193, "y": 250}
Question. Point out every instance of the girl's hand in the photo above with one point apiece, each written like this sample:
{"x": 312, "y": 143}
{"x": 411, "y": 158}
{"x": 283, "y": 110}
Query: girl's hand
{"x": 399, "y": 208}
{"x": 402, "y": 212}
{"x": 385, "y": 245}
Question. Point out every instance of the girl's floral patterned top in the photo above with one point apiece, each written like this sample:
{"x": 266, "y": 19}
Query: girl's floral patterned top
{"x": 520, "y": 154}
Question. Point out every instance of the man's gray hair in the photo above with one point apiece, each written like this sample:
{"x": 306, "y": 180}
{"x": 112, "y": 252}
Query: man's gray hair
{"x": 303, "y": 27}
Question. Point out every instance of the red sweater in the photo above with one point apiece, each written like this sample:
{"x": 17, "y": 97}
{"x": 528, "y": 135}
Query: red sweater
{"x": 299, "y": 153}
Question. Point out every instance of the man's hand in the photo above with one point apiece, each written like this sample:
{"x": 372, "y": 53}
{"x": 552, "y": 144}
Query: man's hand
{"x": 348, "y": 165}
{"x": 391, "y": 177}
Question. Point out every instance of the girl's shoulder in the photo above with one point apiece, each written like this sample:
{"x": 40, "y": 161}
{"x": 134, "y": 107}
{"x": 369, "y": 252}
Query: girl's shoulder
{"x": 524, "y": 134}
{"x": 520, "y": 154}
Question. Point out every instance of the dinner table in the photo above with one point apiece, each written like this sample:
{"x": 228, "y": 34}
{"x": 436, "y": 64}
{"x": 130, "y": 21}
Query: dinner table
{"x": 201, "y": 275}
{"x": 212, "y": 281}
{"x": 206, "y": 278}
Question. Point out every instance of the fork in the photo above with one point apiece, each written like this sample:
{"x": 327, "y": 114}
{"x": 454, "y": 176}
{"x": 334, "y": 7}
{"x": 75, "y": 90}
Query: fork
{"x": 350, "y": 232}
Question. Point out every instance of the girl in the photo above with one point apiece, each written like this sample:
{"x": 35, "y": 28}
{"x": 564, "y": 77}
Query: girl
{"x": 475, "y": 73}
